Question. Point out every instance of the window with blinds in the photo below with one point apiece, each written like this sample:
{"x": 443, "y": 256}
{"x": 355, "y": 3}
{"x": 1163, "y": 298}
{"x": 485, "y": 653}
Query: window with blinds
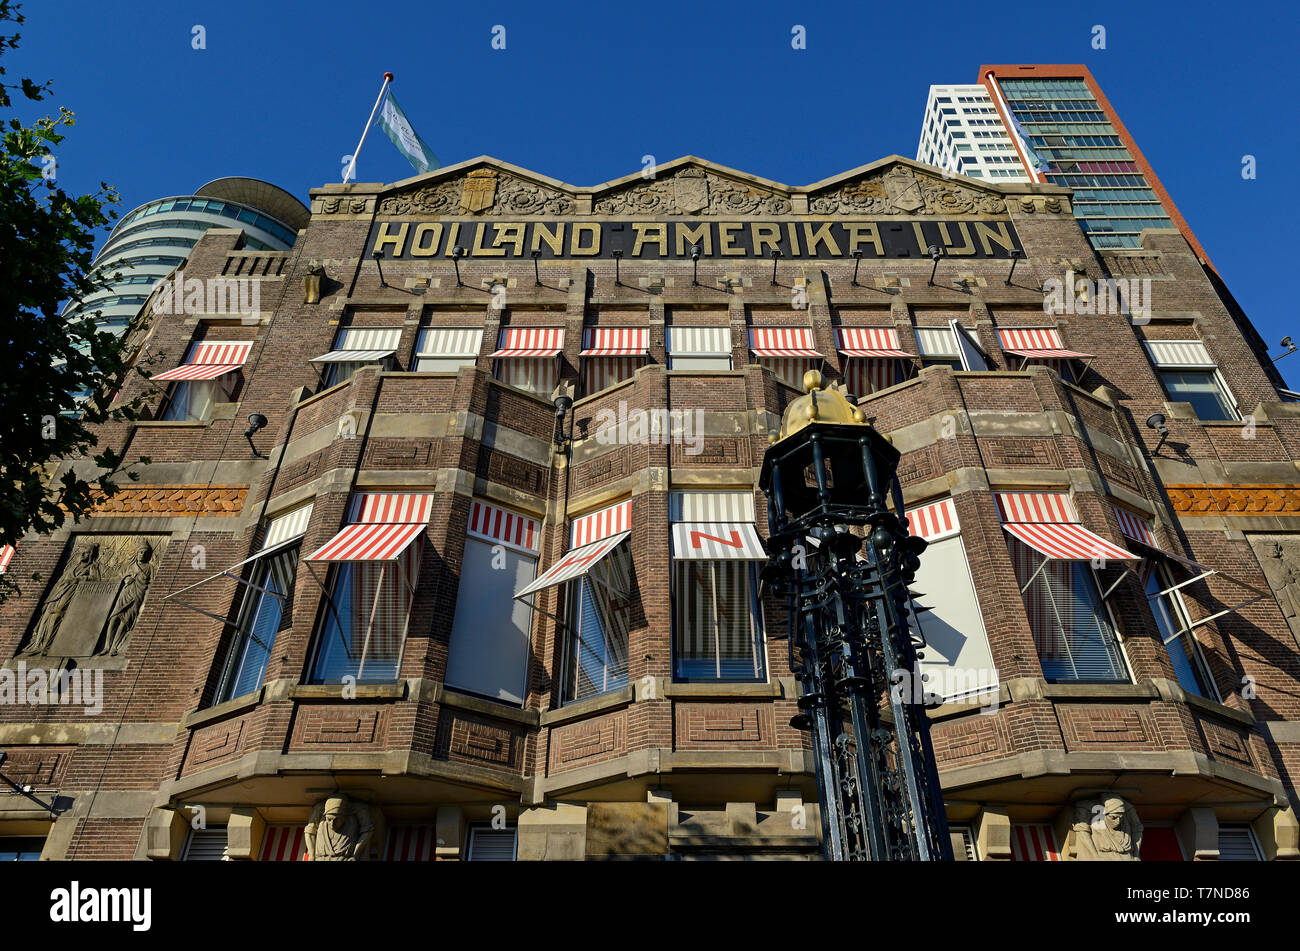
{"x": 206, "y": 845}
{"x": 490, "y": 845}
{"x": 536, "y": 375}
{"x": 595, "y": 659}
{"x": 1072, "y": 630}
{"x": 963, "y": 843}
{"x": 1237, "y": 844}
{"x": 718, "y": 631}
{"x": 490, "y": 636}
{"x": 363, "y": 620}
{"x": 267, "y": 604}
{"x": 699, "y": 348}
{"x": 447, "y": 349}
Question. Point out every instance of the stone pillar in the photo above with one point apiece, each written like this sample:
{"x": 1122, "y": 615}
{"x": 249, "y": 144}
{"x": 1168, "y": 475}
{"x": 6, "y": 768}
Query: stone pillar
{"x": 1198, "y": 833}
{"x": 993, "y": 834}
{"x": 1278, "y": 834}
{"x": 165, "y": 833}
{"x": 244, "y": 832}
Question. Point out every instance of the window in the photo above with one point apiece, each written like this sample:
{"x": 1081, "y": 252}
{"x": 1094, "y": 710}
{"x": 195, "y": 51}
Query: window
{"x": 490, "y": 845}
{"x": 206, "y": 845}
{"x": 21, "y": 848}
{"x": 958, "y": 661}
{"x": 595, "y": 654}
{"x": 789, "y": 352}
{"x": 1071, "y": 626}
{"x": 526, "y": 358}
{"x": 1190, "y": 375}
{"x": 940, "y": 346}
{"x": 491, "y": 632}
{"x": 267, "y": 603}
{"x": 699, "y": 348}
{"x": 1237, "y": 844}
{"x": 717, "y": 621}
{"x": 357, "y": 347}
{"x": 1171, "y": 617}
{"x": 375, "y": 561}
{"x": 611, "y": 355}
{"x": 446, "y": 350}
{"x": 363, "y": 625}
{"x": 872, "y": 358}
{"x": 191, "y": 401}
{"x": 1202, "y": 388}
{"x": 717, "y": 618}
{"x": 206, "y": 377}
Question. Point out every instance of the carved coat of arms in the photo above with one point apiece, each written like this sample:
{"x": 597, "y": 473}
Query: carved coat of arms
{"x": 479, "y": 191}
{"x": 691, "y": 191}
{"x": 903, "y": 190}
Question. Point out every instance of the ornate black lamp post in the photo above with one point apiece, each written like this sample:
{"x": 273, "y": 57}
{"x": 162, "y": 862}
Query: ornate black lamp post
{"x": 826, "y": 473}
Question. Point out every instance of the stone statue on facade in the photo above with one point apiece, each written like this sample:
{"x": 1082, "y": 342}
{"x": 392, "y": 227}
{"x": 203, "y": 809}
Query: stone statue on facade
{"x": 340, "y": 830}
{"x": 1106, "y": 830}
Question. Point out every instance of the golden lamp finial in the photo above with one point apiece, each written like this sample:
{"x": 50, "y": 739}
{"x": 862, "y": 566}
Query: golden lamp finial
{"x": 819, "y": 404}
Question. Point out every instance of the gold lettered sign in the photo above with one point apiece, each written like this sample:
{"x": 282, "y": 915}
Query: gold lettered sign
{"x": 664, "y": 239}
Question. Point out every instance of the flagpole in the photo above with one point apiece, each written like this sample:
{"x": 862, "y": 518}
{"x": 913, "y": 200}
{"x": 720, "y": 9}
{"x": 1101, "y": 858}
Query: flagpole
{"x": 388, "y": 78}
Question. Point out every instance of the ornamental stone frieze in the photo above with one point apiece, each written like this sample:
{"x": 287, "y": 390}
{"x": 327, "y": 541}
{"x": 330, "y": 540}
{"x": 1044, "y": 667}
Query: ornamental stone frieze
{"x": 169, "y": 500}
{"x": 903, "y": 191}
{"x": 693, "y": 191}
{"x": 480, "y": 191}
{"x": 1264, "y": 499}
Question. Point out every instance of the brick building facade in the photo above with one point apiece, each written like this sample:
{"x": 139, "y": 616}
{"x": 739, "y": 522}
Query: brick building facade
{"x": 334, "y": 621}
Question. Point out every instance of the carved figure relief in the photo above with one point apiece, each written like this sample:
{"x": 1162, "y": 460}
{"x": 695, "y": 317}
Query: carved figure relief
{"x": 94, "y": 603}
{"x": 340, "y": 830}
{"x": 1106, "y": 829}
{"x": 1279, "y": 556}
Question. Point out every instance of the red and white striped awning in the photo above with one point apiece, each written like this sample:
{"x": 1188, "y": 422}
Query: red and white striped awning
{"x": 574, "y": 564}
{"x": 494, "y": 524}
{"x": 284, "y": 844}
{"x": 411, "y": 842}
{"x": 869, "y": 342}
{"x": 934, "y": 521}
{"x": 529, "y": 342}
{"x": 1047, "y": 523}
{"x": 782, "y": 342}
{"x": 615, "y": 342}
{"x": 1135, "y": 527}
{"x": 1037, "y": 343}
{"x": 6, "y": 556}
{"x": 382, "y": 526}
{"x": 602, "y": 524}
{"x": 711, "y": 541}
{"x": 207, "y": 361}
{"x": 1033, "y": 842}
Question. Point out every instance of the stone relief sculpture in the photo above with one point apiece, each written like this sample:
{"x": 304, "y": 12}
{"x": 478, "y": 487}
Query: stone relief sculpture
{"x": 80, "y": 567}
{"x": 480, "y": 191}
{"x": 1106, "y": 829}
{"x": 340, "y": 830}
{"x": 130, "y": 597}
{"x": 692, "y": 191}
{"x": 901, "y": 191}
{"x": 1279, "y": 556}
{"x": 94, "y": 603}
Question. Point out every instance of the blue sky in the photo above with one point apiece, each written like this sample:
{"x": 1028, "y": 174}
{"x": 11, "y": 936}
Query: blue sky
{"x": 583, "y": 90}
